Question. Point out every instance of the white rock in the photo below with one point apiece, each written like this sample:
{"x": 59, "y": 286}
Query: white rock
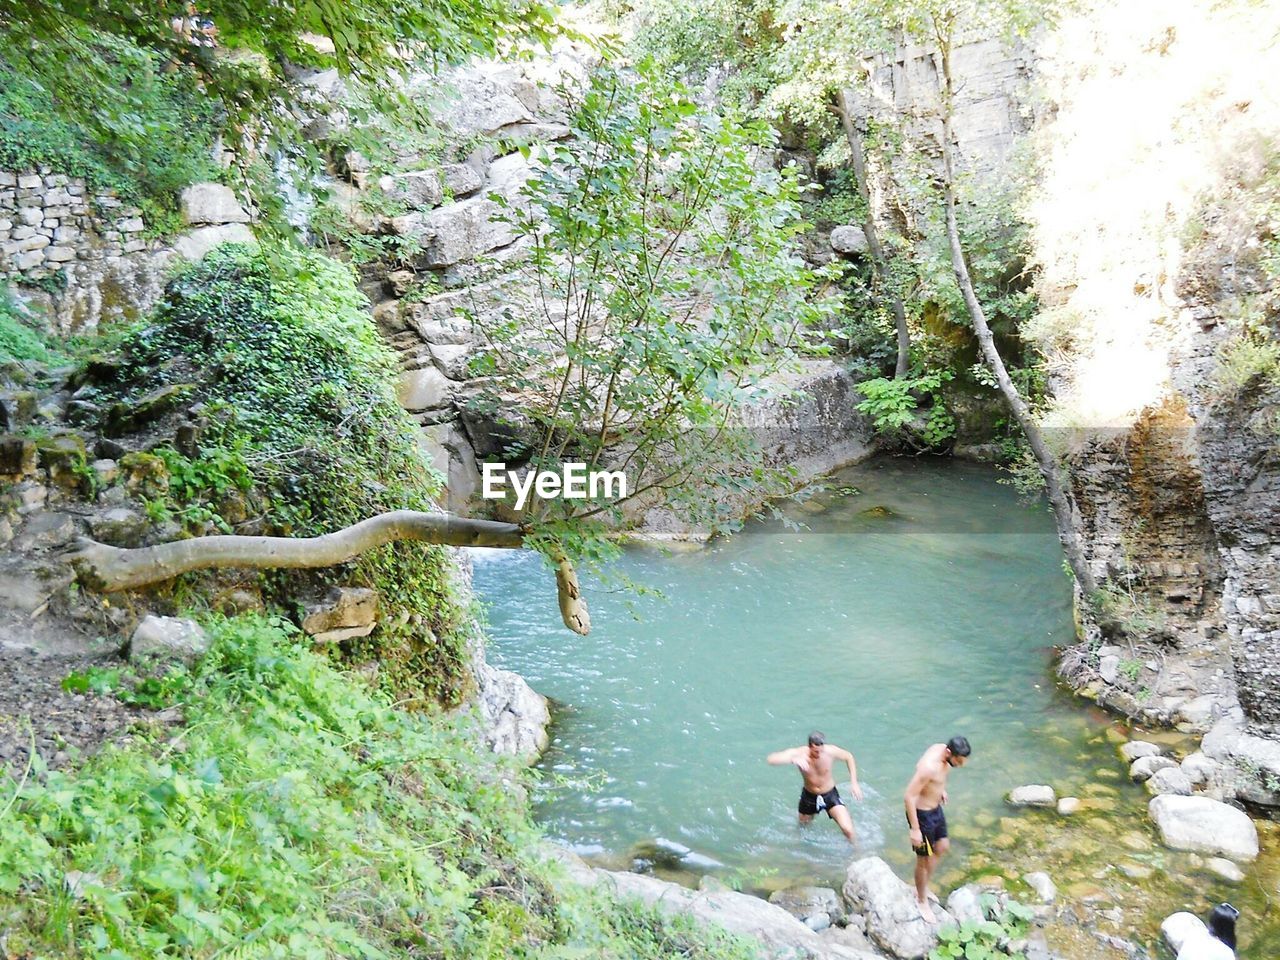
{"x": 1139, "y": 748}
{"x": 1109, "y": 668}
{"x": 1144, "y": 767}
{"x": 1199, "y": 713}
{"x": 194, "y": 244}
{"x": 1043, "y": 885}
{"x": 211, "y": 203}
{"x": 965, "y": 903}
{"x": 1032, "y": 795}
{"x": 167, "y": 638}
{"x": 1225, "y": 869}
{"x": 1203, "y": 825}
{"x": 1068, "y": 805}
{"x": 889, "y": 907}
{"x": 1178, "y": 928}
{"x": 848, "y": 240}
{"x": 1200, "y": 769}
{"x": 514, "y": 716}
{"x": 1170, "y": 780}
{"x": 420, "y": 188}
{"x": 423, "y": 389}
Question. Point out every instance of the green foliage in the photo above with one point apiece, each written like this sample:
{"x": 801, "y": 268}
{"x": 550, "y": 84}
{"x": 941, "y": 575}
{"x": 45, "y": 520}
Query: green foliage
{"x": 734, "y": 39}
{"x": 162, "y": 144}
{"x": 297, "y": 815}
{"x": 1245, "y": 361}
{"x": 298, "y": 391}
{"x": 982, "y": 939}
{"x": 149, "y": 692}
{"x": 18, "y": 341}
{"x": 79, "y": 53}
{"x": 664, "y": 255}
{"x": 912, "y": 406}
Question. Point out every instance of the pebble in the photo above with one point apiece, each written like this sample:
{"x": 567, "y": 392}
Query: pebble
{"x": 1225, "y": 869}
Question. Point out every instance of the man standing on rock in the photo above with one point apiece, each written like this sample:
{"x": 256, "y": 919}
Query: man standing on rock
{"x": 926, "y": 793}
{"x": 819, "y": 793}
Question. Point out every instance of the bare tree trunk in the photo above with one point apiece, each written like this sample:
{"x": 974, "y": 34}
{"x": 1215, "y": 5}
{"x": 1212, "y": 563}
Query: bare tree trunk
{"x": 1050, "y": 469}
{"x": 110, "y": 569}
{"x": 878, "y": 260}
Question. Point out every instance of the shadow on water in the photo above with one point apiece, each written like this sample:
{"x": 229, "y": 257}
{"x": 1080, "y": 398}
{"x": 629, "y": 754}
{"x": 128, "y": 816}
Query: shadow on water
{"x": 924, "y": 604}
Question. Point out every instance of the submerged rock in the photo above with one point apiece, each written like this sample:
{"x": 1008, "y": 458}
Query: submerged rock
{"x": 1032, "y": 795}
{"x": 1203, "y": 825}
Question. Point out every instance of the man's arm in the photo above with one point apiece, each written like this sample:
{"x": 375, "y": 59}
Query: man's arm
{"x": 853, "y": 774}
{"x": 781, "y": 758}
{"x": 911, "y": 798}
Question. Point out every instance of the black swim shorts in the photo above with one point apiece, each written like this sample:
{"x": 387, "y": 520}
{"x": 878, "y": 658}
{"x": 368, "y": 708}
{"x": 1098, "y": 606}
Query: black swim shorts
{"x": 933, "y": 827}
{"x": 811, "y": 803}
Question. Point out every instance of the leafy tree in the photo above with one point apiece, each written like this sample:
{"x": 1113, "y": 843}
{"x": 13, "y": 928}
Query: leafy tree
{"x": 663, "y": 290}
{"x": 71, "y": 51}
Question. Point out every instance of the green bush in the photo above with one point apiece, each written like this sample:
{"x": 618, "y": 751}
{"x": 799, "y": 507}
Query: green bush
{"x": 299, "y": 391}
{"x": 297, "y": 815}
{"x": 18, "y": 341}
{"x": 171, "y": 127}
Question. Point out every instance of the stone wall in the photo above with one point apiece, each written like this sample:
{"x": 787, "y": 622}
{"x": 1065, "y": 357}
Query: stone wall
{"x": 86, "y": 259}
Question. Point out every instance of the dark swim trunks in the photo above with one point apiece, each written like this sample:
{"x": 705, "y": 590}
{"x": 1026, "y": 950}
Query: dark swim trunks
{"x": 811, "y": 803}
{"x": 933, "y": 827}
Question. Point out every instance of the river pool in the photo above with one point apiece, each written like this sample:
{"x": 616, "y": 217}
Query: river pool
{"x": 919, "y": 599}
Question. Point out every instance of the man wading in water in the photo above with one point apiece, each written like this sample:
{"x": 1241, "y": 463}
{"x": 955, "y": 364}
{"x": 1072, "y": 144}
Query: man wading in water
{"x": 820, "y": 793}
{"x": 926, "y": 793}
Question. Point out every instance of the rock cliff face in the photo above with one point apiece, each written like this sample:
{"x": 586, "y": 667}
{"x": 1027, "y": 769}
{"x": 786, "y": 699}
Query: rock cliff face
{"x": 1155, "y": 277}
{"x": 1153, "y": 129}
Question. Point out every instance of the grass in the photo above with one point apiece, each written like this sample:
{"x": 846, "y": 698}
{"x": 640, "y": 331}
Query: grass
{"x": 296, "y": 815}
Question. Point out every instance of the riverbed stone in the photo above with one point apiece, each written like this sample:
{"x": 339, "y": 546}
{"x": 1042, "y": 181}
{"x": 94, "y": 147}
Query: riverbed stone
{"x": 1032, "y": 795}
{"x": 1202, "y": 825}
{"x": 1200, "y": 769}
{"x": 1135, "y": 749}
{"x": 965, "y": 903}
{"x": 807, "y": 903}
{"x": 1143, "y": 768}
{"x": 1068, "y": 805}
{"x": 1043, "y": 885}
{"x": 1225, "y": 869}
{"x": 167, "y": 638}
{"x": 1170, "y": 780}
{"x": 874, "y": 891}
{"x": 1178, "y": 928}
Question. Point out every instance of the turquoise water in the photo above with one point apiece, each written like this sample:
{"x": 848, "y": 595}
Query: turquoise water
{"x": 924, "y": 605}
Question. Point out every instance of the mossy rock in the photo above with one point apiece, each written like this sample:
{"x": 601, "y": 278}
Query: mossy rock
{"x": 17, "y": 457}
{"x": 17, "y": 409}
{"x": 145, "y": 474}
{"x": 65, "y": 459}
{"x": 130, "y": 417}
{"x": 878, "y": 512}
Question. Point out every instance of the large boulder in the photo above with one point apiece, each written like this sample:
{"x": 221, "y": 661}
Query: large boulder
{"x": 210, "y": 203}
{"x": 889, "y": 906}
{"x": 849, "y": 241}
{"x": 1205, "y": 826}
{"x": 194, "y": 244}
{"x": 167, "y": 638}
{"x": 514, "y": 716}
{"x": 782, "y": 935}
{"x": 1136, "y": 749}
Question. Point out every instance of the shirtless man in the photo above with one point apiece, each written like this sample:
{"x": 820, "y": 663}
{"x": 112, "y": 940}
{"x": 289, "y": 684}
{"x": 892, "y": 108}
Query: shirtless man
{"x": 926, "y": 793}
{"x": 814, "y": 763}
